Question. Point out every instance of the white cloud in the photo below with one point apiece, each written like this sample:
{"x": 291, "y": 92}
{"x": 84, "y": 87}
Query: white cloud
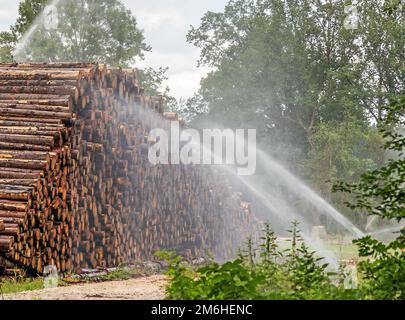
{"x": 179, "y": 60}
{"x": 160, "y": 19}
{"x": 183, "y": 75}
{"x": 185, "y": 84}
{"x": 165, "y": 24}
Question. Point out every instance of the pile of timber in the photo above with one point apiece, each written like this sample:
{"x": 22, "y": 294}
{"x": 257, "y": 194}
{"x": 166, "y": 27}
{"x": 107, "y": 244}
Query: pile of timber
{"x": 76, "y": 187}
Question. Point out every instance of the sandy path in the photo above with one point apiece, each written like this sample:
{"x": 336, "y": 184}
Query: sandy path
{"x": 149, "y": 288}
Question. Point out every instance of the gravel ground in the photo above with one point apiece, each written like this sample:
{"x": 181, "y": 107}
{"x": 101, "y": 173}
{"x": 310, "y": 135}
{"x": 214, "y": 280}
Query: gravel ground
{"x": 148, "y": 288}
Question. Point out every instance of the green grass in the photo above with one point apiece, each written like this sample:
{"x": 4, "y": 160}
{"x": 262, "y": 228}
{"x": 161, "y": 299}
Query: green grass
{"x": 120, "y": 274}
{"x": 124, "y": 273}
{"x": 347, "y": 251}
{"x": 20, "y": 285}
{"x": 344, "y": 251}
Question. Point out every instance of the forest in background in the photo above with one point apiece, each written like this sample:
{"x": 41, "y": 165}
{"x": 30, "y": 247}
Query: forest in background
{"x": 327, "y": 99}
{"x": 314, "y": 89}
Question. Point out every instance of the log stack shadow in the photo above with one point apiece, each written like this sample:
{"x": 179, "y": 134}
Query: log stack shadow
{"x": 76, "y": 187}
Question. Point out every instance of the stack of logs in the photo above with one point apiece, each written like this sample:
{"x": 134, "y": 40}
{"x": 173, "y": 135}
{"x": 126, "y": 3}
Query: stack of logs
{"x": 76, "y": 187}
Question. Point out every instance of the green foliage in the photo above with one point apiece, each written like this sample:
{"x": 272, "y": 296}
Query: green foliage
{"x": 191, "y": 109}
{"x": 304, "y": 269}
{"x": 253, "y": 77}
{"x": 153, "y": 80}
{"x": 119, "y": 274}
{"x": 88, "y": 30}
{"x": 287, "y": 66}
{"x": 21, "y": 286}
{"x": 296, "y": 273}
{"x": 343, "y": 150}
{"x": 27, "y": 12}
{"x": 7, "y": 41}
{"x": 122, "y": 273}
{"x": 19, "y": 283}
{"x": 314, "y": 90}
{"x": 381, "y": 192}
{"x": 381, "y": 66}
{"x": 384, "y": 273}
{"x": 268, "y": 248}
{"x": 391, "y": 6}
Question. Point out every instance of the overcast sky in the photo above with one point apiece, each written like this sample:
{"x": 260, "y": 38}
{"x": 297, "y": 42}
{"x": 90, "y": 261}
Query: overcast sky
{"x": 165, "y": 24}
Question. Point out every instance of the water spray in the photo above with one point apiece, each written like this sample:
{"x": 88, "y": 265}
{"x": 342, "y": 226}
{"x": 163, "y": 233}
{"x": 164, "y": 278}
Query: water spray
{"x": 48, "y": 18}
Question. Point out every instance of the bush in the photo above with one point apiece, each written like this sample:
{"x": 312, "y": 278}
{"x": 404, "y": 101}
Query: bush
{"x": 384, "y": 274}
{"x": 265, "y": 273}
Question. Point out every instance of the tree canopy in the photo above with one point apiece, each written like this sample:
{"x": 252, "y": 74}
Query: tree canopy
{"x": 86, "y": 30}
{"x": 295, "y": 72}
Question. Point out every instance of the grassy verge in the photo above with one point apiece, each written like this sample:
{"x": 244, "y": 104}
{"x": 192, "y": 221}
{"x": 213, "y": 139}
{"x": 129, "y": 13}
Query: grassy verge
{"x": 118, "y": 274}
{"x": 347, "y": 251}
{"x": 21, "y": 283}
{"x": 343, "y": 251}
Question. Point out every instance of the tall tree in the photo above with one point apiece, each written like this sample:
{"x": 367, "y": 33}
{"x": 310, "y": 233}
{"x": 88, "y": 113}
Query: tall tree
{"x": 292, "y": 67}
{"x": 86, "y": 30}
{"x": 281, "y": 66}
{"x": 381, "y": 62}
{"x": 27, "y": 12}
{"x": 314, "y": 89}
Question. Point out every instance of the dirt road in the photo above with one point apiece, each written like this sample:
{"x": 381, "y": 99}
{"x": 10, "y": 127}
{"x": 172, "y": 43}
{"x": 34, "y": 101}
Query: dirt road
{"x": 148, "y": 288}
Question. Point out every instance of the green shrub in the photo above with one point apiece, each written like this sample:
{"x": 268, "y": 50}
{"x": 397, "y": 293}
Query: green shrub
{"x": 384, "y": 273}
{"x": 261, "y": 273}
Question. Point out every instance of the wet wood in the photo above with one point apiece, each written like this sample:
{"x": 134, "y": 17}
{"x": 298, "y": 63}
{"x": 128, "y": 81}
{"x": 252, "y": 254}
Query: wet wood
{"x": 77, "y": 189}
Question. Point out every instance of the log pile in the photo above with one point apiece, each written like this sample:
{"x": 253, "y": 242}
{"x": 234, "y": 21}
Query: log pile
{"x": 76, "y": 187}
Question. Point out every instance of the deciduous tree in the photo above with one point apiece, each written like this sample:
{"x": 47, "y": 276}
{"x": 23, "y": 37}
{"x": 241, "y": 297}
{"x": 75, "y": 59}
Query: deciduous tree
{"x": 87, "y": 30}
